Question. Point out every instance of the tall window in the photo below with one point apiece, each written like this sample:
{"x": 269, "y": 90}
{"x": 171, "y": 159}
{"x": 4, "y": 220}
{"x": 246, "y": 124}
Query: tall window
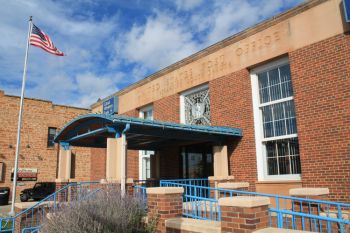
{"x": 145, "y": 155}
{"x": 275, "y": 121}
{"x": 195, "y": 106}
{"x": 51, "y": 136}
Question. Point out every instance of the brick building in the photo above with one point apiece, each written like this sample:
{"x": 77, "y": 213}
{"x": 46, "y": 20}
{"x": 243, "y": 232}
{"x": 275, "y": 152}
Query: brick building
{"x": 268, "y": 106}
{"x": 285, "y": 82}
{"x": 38, "y": 154}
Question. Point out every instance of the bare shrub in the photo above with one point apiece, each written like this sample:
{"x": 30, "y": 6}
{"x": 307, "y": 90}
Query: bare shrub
{"x": 107, "y": 212}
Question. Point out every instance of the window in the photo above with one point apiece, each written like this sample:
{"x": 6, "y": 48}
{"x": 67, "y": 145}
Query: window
{"x": 146, "y": 113}
{"x": 51, "y": 137}
{"x": 275, "y": 122}
{"x": 195, "y": 106}
{"x": 145, "y": 155}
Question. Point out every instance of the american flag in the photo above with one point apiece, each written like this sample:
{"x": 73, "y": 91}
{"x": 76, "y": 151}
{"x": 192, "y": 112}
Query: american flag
{"x": 39, "y": 39}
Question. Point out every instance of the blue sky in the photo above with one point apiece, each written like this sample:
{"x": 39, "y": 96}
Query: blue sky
{"x": 111, "y": 44}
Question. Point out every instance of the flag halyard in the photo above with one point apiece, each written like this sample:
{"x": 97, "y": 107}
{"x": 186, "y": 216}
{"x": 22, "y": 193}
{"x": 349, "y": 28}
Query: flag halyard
{"x": 39, "y": 39}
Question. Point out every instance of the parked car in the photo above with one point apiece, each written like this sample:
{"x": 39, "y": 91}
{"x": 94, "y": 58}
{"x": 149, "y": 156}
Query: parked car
{"x": 38, "y": 192}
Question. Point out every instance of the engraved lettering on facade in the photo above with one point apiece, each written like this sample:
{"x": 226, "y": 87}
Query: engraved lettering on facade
{"x": 239, "y": 51}
{"x": 267, "y": 40}
{"x": 222, "y": 62}
{"x": 260, "y": 43}
{"x": 276, "y": 35}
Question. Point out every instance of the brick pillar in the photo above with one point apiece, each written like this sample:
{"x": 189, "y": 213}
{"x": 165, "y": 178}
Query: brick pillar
{"x": 164, "y": 203}
{"x": 307, "y": 208}
{"x": 244, "y": 214}
{"x": 29, "y": 218}
{"x": 72, "y": 190}
{"x": 63, "y": 195}
{"x": 215, "y": 180}
{"x": 20, "y": 221}
{"x": 130, "y": 186}
{"x": 241, "y": 186}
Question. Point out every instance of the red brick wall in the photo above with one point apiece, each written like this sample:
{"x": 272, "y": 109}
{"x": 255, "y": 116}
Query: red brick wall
{"x": 321, "y": 80}
{"x": 167, "y": 109}
{"x": 38, "y": 115}
{"x": 170, "y": 163}
{"x": 132, "y": 113}
{"x": 133, "y": 164}
{"x": 162, "y": 207}
{"x": 231, "y": 105}
{"x": 98, "y": 164}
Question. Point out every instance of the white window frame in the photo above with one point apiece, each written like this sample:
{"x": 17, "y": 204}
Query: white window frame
{"x": 141, "y": 152}
{"x": 182, "y": 100}
{"x": 258, "y": 125}
{"x": 145, "y": 109}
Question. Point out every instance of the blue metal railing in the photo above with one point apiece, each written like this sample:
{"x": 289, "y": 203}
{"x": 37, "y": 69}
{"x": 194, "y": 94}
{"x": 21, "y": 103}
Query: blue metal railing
{"x": 31, "y": 229}
{"x": 141, "y": 185}
{"x": 30, "y": 220}
{"x": 201, "y": 202}
{"x": 140, "y": 192}
{"x": 204, "y": 182}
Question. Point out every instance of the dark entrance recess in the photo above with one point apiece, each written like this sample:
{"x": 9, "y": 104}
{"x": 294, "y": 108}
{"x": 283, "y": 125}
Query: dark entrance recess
{"x": 197, "y": 161}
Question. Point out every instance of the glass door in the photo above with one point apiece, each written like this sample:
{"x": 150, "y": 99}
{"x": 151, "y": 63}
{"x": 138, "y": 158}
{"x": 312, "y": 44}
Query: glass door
{"x": 197, "y": 162}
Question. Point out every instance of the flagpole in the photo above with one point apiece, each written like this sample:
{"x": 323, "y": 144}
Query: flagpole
{"x": 20, "y": 122}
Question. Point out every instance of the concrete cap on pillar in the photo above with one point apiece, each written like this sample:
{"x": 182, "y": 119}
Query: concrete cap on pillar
{"x": 233, "y": 185}
{"x": 308, "y": 191}
{"x": 103, "y": 181}
{"x": 111, "y": 180}
{"x": 221, "y": 177}
{"x": 244, "y": 201}
{"x": 165, "y": 190}
{"x": 61, "y": 180}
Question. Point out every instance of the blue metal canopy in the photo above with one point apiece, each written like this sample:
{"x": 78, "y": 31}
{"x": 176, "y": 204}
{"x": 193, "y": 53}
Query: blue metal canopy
{"x": 92, "y": 130}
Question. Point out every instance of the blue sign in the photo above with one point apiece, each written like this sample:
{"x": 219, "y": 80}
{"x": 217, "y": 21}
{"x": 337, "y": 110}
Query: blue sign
{"x": 110, "y": 106}
{"x": 346, "y": 4}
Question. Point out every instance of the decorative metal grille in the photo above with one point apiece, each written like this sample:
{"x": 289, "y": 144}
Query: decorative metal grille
{"x": 197, "y": 108}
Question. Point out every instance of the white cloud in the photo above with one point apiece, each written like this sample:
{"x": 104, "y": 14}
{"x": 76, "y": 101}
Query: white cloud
{"x": 187, "y": 4}
{"x": 162, "y": 40}
{"x": 82, "y": 39}
{"x": 105, "y": 49}
{"x": 92, "y": 87}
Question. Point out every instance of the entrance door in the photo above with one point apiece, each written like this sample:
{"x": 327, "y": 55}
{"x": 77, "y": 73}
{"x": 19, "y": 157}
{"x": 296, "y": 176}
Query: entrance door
{"x": 197, "y": 161}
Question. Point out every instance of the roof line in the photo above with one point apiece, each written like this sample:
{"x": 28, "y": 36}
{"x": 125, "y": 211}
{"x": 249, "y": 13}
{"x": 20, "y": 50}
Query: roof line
{"x": 42, "y": 100}
{"x": 221, "y": 44}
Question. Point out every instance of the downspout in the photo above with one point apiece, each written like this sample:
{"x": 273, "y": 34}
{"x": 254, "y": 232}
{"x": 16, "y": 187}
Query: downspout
{"x": 123, "y": 160}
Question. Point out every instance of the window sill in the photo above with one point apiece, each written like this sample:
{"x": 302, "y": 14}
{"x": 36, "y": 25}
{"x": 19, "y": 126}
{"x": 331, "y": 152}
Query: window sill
{"x": 279, "y": 182}
{"x": 281, "y": 178}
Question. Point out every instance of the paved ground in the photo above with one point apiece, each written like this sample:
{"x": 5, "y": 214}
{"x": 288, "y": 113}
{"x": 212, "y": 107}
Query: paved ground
{"x": 4, "y": 210}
